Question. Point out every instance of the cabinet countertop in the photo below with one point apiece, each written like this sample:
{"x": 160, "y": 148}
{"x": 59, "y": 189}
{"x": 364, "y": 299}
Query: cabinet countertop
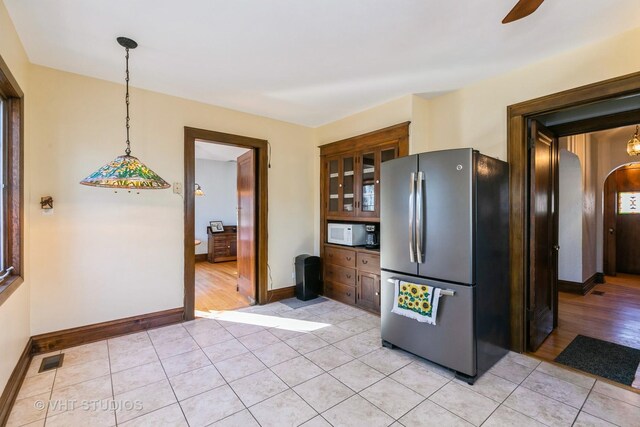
{"x": 355, "y": 248}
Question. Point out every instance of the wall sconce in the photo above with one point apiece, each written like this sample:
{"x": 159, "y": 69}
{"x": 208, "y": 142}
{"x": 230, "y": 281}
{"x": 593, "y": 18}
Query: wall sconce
{"x": 46, "y": 202}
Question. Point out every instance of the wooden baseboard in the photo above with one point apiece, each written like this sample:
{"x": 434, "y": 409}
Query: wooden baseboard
{"x": 580, "y": 288}
{"x": 99, "y": 331}
{"x": 280, "y": 294}
{"x": 15, "y": 382}
{"x": 201, "y": 257}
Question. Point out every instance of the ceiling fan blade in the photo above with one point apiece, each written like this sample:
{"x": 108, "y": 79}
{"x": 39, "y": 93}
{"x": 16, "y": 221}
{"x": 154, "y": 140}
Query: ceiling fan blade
{"x": 521, "y": 9}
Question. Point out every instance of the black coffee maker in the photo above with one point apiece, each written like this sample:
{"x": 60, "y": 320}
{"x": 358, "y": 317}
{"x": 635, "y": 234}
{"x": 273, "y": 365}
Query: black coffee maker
{"x": 372, "y": 240}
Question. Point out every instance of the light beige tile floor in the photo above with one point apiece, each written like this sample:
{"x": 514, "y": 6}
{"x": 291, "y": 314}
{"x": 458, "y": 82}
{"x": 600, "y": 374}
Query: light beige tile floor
{"x": 320, "y": 365}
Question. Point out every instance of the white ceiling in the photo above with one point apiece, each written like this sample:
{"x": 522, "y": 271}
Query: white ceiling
{"x": 307, "y": 61}
{"x": 219, "y": 152}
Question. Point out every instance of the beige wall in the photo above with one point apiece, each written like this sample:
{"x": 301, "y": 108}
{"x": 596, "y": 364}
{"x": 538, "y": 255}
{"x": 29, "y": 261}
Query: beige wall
{"x": 583, "y": 265}
{"x": 476, "y": 116}
{"x": 103, "y": 255}
{"x": 14, "y": 312}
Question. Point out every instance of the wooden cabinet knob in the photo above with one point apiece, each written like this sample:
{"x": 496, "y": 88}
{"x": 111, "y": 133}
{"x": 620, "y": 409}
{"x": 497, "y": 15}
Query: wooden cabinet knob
{"x": 348, "y": 258}
{"x": 348, "y": 294}
{"x": 364, "y": 261}
{"x": 348, "y": 276}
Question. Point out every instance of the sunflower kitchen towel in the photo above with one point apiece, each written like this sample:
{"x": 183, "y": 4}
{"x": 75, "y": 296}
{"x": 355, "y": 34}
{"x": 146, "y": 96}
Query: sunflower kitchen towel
{"x": 419, "y": 302}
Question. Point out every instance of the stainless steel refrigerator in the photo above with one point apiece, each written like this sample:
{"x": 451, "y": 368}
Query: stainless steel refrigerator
{"x": 444, "y": 222}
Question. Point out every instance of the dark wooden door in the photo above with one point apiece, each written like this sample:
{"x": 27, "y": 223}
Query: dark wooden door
{"x": 543, "y": 235}
{"x": 246, "y": 246}
{"x": 368, "y": 291}
{"x": 625, "y": 207}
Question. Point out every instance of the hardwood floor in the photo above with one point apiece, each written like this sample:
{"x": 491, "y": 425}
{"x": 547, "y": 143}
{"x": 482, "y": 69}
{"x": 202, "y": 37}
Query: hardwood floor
{"x": 216, "y": 287}
{"x": 613, "y": 316}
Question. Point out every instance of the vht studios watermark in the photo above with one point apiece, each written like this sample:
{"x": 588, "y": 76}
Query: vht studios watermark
{"x": 89, "y": 405}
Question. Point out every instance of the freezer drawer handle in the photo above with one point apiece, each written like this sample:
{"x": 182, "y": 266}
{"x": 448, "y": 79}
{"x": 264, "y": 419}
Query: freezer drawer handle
{"x": 443, "y": 292}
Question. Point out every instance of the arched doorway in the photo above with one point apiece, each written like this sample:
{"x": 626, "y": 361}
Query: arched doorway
{"x": 621, "y": 218}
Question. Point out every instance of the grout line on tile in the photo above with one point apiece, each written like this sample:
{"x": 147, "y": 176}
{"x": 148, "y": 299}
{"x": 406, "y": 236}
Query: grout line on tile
{"x": 585, "y": 401}
{"x": 554, "y": 399}
{"x": 169, "y": 382}
{"x": 113, "y": 395}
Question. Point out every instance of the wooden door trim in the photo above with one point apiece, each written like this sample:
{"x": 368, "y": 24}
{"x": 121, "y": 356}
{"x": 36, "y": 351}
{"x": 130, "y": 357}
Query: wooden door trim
{"x": 261, "y": 150}
{"x": 517, "y": 153}
{"x": 608, "y": 220}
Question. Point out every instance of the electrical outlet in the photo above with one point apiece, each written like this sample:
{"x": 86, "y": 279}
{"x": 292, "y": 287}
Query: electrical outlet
{"x": 177, "y": 188}
{"x": 293, "y": 275}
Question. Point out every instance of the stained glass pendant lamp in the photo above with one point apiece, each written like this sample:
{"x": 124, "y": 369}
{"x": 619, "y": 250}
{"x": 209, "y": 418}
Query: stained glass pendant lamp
{"x": 126, "y": 172}
{"x": 633, "y": 146}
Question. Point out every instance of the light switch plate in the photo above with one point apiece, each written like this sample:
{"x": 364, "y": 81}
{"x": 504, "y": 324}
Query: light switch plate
{"x": 177, "y": 188}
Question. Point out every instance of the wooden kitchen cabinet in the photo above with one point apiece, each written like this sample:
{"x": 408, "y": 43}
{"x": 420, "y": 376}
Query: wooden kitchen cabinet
{"x": 350, "y": 186}
{"x": 352, "y": 276}
{"x": 368, "y": 291}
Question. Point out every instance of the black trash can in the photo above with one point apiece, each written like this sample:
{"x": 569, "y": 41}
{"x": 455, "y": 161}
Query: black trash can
{"x": 307, "y": 277}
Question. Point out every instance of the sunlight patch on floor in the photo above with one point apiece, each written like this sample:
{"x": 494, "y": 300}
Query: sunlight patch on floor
{"x": 263, "y": 320}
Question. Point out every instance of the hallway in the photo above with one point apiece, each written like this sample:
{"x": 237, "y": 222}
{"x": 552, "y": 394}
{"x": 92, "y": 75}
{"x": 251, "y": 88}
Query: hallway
{"x": 612, "y": 316}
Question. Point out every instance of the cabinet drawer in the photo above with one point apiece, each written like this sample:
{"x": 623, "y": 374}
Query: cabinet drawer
{"x": 342, "y": 257}
{"x": 369, "y": 263}
{"x": 340, "y": 292}
{"x": 343, "y": 275}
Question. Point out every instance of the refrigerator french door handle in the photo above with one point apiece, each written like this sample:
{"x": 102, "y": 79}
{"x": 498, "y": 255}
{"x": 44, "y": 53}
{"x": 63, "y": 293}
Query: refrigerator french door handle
{"x": 419, "y": 218}
{"x": 412, "y": 213}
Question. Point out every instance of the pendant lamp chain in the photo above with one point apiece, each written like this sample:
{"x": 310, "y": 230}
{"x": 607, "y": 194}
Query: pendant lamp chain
{"x": 126, "y": 98}
{"x": 126, "y": 171}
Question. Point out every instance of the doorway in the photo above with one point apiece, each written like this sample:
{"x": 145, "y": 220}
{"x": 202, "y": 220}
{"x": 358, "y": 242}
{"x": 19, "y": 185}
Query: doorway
{"x": 218, "y": 227}
{"x": 621, "y": 221}
{"x": 595, "y": 204}
{"x": 220, "y": 281}
{"x": 590, "y": 108}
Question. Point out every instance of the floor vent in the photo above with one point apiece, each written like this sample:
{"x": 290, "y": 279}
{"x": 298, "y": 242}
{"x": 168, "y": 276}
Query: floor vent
{"x": 599, "y": 293}
{"x": 51, "y": 362}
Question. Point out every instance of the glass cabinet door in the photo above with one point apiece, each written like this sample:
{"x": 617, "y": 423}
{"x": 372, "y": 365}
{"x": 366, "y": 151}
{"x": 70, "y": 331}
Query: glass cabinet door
{"x": 348, "y": 185}
{"x": 333, "y": 193}
{"x": 368, "y": 177}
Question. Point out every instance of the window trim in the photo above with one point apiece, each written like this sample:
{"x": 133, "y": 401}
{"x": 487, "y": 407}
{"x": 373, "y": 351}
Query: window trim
{"x": 14, "y": 98}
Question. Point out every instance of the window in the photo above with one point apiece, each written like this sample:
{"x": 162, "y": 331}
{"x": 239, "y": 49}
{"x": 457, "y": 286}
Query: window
{"x": 629, "y": 203}
{"x": 11, "y": 122}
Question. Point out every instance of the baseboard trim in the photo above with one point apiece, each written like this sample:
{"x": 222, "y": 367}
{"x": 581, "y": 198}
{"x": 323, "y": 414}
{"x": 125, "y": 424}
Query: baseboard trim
{"x": 15, "y": 382}
{"x": 281, "y": 293}
{"x": 580, "y": 288}
{"x": 99, "y": 331}
{"x": 201, "y": 257}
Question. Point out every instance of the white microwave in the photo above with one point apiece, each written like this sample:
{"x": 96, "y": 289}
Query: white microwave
{"x": 346, "y": 234}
